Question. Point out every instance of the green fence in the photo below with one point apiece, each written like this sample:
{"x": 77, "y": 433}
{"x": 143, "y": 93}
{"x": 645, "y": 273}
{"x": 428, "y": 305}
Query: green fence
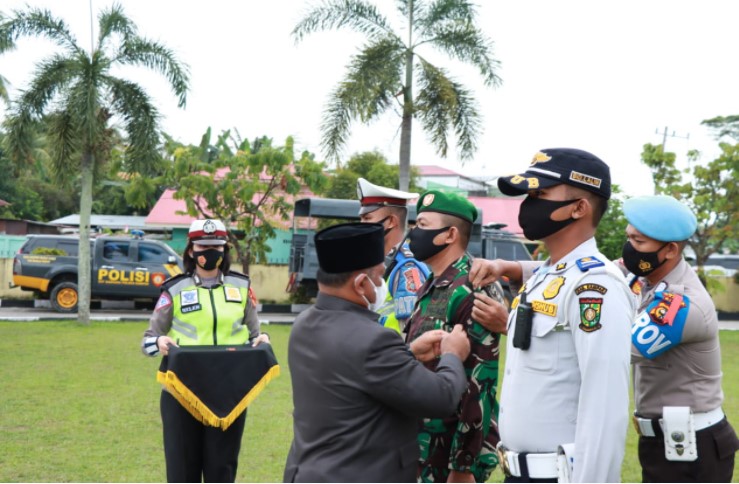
{"x": 9, "y": 245}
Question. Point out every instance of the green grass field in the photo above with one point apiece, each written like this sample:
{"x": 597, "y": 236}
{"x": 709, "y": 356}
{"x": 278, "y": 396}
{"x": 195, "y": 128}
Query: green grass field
{"x": 82, "y": 404}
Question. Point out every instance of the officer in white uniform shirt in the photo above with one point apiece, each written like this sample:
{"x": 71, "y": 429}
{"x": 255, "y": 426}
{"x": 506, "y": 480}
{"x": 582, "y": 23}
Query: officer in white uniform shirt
{"x": 684, "y": 435}
{"x": 565, "y": 396}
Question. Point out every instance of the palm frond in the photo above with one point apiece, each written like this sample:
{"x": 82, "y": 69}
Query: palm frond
{"x": 357, "y": 15}
{"x": 369, "y": 88}
{"x": 446, "y": 11}
{"x": 141, "y": 119}
{"x": 373, "y": 78}
{"x": 335, "y": 124}
{"x": 52, "y": 76}
{"x": 465, "y": 42}
{"x": 63, "y": 134}
{"x": 114, "y": 21}
{"x": 36, "y": 22}
{"x": 404, "y": 7}
{"x": 4, "y": 89}
{"x": 82, "y": 101}
{"x": 442, "y": 103}
{"x": 143, "y": 52}
{"x": 20, "y": 131}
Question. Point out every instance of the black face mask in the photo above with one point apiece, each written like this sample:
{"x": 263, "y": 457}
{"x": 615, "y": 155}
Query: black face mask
{"x": 208, "y": 259}
{"x": 641, "y": 263}
{"x": 535, "y": 215}
{"x": 382, "y": 222}
{"x": 422, "y": 242}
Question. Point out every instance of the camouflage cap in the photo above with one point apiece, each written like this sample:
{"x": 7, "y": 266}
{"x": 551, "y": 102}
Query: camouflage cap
{"x": 447, "y": 203}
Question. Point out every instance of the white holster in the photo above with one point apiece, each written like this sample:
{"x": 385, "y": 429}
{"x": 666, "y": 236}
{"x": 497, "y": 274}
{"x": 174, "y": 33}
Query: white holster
{"x": 679, "y": 430}
{"x": 565, "y": 462}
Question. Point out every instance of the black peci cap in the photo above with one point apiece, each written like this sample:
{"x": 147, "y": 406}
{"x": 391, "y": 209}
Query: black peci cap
{"x": 350, "y": 247}
{"x": 557, "y": 166}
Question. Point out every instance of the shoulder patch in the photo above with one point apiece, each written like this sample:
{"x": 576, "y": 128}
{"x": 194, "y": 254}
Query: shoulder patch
{"x": 660, "y": 326}
{"x": 587, "y": 263}
{"x": 552, "y": 289}
{"x": 590, "y": 309}
{"x": 590, "y": 287}
{"x": 636, "y": 285}
{"x": 165, "y": 300}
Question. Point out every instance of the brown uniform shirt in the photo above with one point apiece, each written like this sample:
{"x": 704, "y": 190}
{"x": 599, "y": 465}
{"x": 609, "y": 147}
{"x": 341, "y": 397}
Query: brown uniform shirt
{"x": 688, "y": 374}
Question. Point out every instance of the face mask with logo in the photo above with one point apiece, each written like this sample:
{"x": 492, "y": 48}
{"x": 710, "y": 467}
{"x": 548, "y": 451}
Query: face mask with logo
{"x": 422, "y": 242}
{"x": 208, "y": 259}
{"x": 641, "y": 263}
{"x": 535, "y": 217}
{"x": 380, "y": 293}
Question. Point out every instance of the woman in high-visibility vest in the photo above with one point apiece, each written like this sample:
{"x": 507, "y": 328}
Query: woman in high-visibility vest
{"x": 207, "y": 305}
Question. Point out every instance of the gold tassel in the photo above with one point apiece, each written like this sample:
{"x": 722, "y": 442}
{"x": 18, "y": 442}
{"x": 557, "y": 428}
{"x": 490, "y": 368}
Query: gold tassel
{"x": 200, "y": 411}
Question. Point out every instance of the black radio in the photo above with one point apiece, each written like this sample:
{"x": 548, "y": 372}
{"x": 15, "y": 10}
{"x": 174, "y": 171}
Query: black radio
{"x": 524, "y": 323}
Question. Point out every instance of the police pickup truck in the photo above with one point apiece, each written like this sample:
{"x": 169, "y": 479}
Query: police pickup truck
{"x": 489, "y": 242}
{"x": 122, "y": 268}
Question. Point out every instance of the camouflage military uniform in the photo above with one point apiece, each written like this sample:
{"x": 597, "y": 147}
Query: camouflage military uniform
{"x": 464, "y": 441}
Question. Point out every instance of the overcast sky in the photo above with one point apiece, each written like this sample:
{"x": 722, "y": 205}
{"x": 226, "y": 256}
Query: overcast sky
{"x": 603, "y": 76}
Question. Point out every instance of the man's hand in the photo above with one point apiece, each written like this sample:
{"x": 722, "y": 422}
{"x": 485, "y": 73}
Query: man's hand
{"x": 484, "y": 272}
{"x": 428, "y": 346}
{"x": 456, "y": 343}
{"x": 262, "y": 338}
{"x": 490, "y": 313}
{"x": 163, "y": 343}
{"x": 457, "y": 476}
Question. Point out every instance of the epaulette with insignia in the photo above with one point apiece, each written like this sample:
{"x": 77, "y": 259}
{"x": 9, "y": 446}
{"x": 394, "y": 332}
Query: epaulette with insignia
{"x": 406, "y": 252}
{"x": 173, "y": 280}
{"x": 587, "y": 263}
{"x": 238, "y": 274}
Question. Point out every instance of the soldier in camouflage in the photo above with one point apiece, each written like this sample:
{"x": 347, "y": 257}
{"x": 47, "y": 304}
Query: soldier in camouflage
{"x": 461, "y": 447}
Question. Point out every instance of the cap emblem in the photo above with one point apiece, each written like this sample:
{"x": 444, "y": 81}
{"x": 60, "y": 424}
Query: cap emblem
{"x": 428, "y": 200}
{"x": 585, "y": 179}
{"x": 517, "y": 179}
{"x": 209, "y": 227}
{"x": 540, "y": 157}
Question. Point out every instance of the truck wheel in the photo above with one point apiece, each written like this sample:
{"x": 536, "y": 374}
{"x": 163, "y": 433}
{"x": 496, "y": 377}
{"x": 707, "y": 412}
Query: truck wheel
{"x": 64, "y": 297}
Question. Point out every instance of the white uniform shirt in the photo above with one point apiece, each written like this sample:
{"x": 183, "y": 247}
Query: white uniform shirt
{"x": 572, "y": 384}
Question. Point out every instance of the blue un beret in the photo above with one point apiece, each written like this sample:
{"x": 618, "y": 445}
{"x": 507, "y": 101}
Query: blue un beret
{"x": 660, "y": 217}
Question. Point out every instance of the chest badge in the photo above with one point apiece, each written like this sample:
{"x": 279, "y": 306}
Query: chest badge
{"x": 232, "y": 294}
{"x": 552, "y": 289}
{"x": 189, "y": 297}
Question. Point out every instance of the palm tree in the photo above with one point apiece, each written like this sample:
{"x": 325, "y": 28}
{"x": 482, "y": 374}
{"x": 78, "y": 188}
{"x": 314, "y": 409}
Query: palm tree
{"x": 387, "y": 65}
{"x": 81, "y": 99}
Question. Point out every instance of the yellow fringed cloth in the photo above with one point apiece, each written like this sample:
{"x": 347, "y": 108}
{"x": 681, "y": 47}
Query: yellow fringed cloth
{"x": 216, "y": 383}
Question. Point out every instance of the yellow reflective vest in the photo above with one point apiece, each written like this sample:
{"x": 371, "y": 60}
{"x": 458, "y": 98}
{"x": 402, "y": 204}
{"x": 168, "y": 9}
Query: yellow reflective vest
{"x": 209, "y": 316}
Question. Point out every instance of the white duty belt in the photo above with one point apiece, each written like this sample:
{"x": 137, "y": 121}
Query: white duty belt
{"x": 646, "y": 427}
{"x": 534, "y": 466}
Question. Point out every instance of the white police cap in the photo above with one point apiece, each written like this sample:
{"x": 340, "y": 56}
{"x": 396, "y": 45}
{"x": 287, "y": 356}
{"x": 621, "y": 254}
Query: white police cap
{"x": 208, "y": 232}
{"x": 372, "y": 196}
